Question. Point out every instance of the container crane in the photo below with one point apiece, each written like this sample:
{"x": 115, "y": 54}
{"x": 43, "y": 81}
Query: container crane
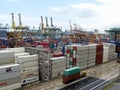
{"x": 13, "y": 22}
{"x": 49, "y": 31}
{"x": 20, "y": 22}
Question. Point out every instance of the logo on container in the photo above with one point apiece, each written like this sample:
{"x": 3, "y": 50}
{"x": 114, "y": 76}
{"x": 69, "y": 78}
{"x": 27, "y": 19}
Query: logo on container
{"x": 8, "y": 69}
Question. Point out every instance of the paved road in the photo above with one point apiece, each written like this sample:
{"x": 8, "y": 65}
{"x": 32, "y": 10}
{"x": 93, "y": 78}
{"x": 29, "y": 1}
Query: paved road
{"x": 85, "y": 84}
{"x": 116, "y": 85}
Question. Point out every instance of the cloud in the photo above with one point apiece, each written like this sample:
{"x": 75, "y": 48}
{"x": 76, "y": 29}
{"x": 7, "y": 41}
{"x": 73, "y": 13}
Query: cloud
{"x": 60, "y": 9}
{"x": 102, "y": 15}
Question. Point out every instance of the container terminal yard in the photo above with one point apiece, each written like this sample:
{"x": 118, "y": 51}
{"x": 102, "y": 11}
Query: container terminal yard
{"x": 51, "y": 59}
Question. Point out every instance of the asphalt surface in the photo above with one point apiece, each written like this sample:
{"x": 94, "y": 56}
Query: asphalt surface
{"x": 116, "y": 85}
{"x": 85, "y": 84}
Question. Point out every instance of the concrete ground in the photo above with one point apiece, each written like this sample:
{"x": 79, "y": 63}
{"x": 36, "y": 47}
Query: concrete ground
{"x": 114, "y": 86}
{"x": 96, "y": 71}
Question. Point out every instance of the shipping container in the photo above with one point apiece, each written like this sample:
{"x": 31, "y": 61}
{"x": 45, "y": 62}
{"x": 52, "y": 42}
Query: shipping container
{"x": 29, "y": 80}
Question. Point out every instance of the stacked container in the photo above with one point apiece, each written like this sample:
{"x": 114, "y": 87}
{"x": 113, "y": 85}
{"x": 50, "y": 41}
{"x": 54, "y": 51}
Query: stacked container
{"x": 57, "y": 66}
{"x": 71, "y": 55}
{"x": 10, "y": 78}
{"x": 20, "y": 54}
{"x": 44, "y": 56}
{"x": 29, "y": 68}
{"x": 99, "y": 54}
{"x": 6, "y": 57}
{"x": 49, "y": 67}
{"x": 44, "y": 65}
{"x": 112, "y": 47}
{"x": 71, "y": 75}
{"x": 105, "y": 54}
{"x": 17, "y": 50}
{"x": 77, "y": 55}
{"x": 68, "y": 63}
{"x": 82, "y": 56}
{"x": 91, "y": 55}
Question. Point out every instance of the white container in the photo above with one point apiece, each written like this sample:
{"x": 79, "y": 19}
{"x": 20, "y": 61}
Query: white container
{"x": 57, "y": 65}
{"x": 21, "y": 54}
{"x": 29, "y": 80}
{"x": 11, "y": 87}
{"x": 105, "y": 60}
{"x": 29, "y": 74}
{"x": 28, "y": 58}
{"x": 6, "y": 57}
{"x": 9, "y": 60}
{"x": 29, "y": 64}
{"x": 4, "y": 69}
{"x": 6, "y": 54}
{"x": 9, "y": 75}
{"x": 17, "y": 50}
{"x": 82, "y": 48}
{"x": 58, "y": 59}
{"x": 10, "y": 81}
{"x": 29, "y": 69}
{"x": 58, "y": 69}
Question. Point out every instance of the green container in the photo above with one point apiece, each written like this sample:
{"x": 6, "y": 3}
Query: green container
{"x": 51, "y": 45}
{"x": 70, "y": 63}
{"x": 71, "y": 51}
{"x": 71, "y": 71}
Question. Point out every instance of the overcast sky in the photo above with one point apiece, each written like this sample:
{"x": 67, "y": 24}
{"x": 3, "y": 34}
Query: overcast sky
{"x": 89, "y": 14}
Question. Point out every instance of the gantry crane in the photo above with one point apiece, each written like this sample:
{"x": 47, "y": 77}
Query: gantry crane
{"x": 49, "y": 31}
{"x": 15, "y": 37}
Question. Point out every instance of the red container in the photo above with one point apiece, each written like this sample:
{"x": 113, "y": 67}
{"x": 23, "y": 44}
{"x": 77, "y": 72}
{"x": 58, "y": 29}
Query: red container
{"x": 99, "y": 48}
{"x": 65, "y": 79}
{"x": 68, "y": 79}
{"x": 74, "y": 48}
{"x": 74, "y": 61}
{"x": 57, "y": 54}
{"x": 99, "y": 54}
{"x": 68, "y": 51}
{"x": 45, "y": 44}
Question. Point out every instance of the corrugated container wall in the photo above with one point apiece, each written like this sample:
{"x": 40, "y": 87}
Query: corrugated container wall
{"x": 99, "y": 54}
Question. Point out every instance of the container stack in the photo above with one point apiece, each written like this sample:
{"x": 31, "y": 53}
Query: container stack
{"x": 17, "y": 50}
{"x": 99, "y": 54}
{"x": 112, "y": 47}
{"x": 105, "y": 54}
{"x": 28, "y": 49}
{"x": 71, "y": 74}
{"x": 6, "y": 57}
{"x": 82, "y": 56}
{"x": 112, "y": 54}
{"x": 21, "y": 54}
{"x": 10, "y": 78}
{"x": 44, "y": 65}
{"x": 44, "y": 56}
{"x": 29, "y": 68}
{"x": 68, "y": 63}
{"x": 77, "y": 55}
{"x": 71, "y": 55}
{"x": 91, "y": 55}
{"x": 58, "y": 66}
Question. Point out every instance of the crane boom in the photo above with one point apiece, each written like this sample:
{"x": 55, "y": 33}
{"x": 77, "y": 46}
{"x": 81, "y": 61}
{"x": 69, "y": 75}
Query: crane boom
{"x": 13, "y": 22}
{"x": 20, "y": 22}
